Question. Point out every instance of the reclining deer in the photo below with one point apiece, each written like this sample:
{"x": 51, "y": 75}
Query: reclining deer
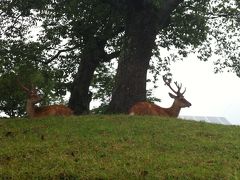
{"x": 34, "y": 111}
{"x": 145, "y": 108}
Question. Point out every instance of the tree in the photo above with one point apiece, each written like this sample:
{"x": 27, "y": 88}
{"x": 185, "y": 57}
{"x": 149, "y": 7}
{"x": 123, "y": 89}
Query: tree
{"x": 72, "y": 33}
{"x": 22, "y": 68}
{"x": 77, "y": 36}
{"x": 144, "y": 20}
{"x": 147, "y": 19}
{"x": 99, "y": 33}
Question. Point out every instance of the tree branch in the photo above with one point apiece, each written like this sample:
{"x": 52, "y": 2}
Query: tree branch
{"x": 108, "y": 57}
{"x": 213, "y": 16}
{"x": 59, "y": 52}
{"x": 115, "y": 3}
{"x": 164, "y": 12}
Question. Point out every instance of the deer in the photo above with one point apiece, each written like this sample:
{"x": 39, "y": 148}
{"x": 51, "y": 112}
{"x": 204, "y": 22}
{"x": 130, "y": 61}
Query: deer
{"x": 146, "y": 108}
{"x": 33, "y": 111}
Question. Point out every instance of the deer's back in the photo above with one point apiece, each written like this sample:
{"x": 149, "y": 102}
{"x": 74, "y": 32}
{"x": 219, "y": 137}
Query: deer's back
{"x": 145, "y": 108}
{"x": 53, "y": 110}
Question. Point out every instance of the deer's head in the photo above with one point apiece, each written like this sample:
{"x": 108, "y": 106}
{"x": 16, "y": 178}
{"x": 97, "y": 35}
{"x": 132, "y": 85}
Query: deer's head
{"x": 178, "y": 97}
{"x": 33, "y": 95}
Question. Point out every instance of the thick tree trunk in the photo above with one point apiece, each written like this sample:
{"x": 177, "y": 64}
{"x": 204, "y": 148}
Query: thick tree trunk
{"x": 134, "y": 60}
{"x": 92, "y": 56}
{"x": 143, "y": 22}
{"x": 80, "y": 95}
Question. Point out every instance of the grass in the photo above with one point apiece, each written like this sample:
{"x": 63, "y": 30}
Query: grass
{"x": 117, "y": 147}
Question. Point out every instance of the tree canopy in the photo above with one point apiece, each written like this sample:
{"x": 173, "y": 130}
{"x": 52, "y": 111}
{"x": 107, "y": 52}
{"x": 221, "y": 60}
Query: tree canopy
{"x": 53, "y": 44}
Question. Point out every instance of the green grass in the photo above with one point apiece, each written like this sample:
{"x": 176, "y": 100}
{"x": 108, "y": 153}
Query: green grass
{"x": 117, "y": 147}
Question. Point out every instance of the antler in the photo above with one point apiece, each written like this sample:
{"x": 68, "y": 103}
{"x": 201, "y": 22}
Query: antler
{"x": 22, "y": 86}
{"x": 179, "y": 86}
{"x": 32, "y": 90}
{"x": 168, "y": 83}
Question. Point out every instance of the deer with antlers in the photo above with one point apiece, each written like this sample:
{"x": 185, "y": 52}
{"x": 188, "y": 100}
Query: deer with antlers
{"x": 34, "y": 111}
{"x": 145, "y": 108}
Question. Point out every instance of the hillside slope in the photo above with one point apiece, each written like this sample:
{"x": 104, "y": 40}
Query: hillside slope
{"x": 118, "y": 147}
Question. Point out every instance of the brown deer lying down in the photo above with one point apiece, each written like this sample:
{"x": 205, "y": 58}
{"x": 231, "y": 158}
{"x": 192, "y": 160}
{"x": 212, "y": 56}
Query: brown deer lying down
{"x": 34, "y": 111}
{"x": 145, "y": 108}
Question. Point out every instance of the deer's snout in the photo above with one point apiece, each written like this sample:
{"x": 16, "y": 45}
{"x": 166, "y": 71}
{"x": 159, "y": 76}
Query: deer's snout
{"x": 189, "y": 104}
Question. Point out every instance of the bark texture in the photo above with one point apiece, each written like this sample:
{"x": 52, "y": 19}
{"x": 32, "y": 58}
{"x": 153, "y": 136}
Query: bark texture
{"x": 92, "y": 56}
{"x": 80, "y": 95}
{"x": 143, "y": 22}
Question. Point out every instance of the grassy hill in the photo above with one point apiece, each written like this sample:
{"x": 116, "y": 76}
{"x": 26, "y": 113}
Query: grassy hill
{"x": 118, "y": 147}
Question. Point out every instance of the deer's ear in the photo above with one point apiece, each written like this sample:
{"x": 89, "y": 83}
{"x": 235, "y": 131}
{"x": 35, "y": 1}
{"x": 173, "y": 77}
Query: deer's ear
{"x": 172, "y": 96}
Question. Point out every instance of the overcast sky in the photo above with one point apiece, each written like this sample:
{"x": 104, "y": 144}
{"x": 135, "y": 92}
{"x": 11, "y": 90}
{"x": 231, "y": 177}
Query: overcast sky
{"x": 210, "y": 94}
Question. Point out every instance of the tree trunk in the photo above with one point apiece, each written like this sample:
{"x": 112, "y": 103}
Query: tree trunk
{"x": 93, "y": 54}
{"x": 80, "y": 95}
{"x": 134, "y": 60}
{"x": 143, "y": 22}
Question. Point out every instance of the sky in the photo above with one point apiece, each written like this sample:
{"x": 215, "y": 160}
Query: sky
{"x": 210, "y": 94}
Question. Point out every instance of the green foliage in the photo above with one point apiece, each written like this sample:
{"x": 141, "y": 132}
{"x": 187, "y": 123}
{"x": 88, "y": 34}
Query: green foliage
{"x": 122, "y": 147}
{"x": 21, "y": 62}
{"x": 64, "y": 30}
{"x": 204, "y": 27}
{"x": 103, "y": 82}
{"x": 11, "y": 100}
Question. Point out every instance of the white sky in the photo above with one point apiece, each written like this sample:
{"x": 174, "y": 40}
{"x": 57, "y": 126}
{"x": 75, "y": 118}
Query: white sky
{"x": 210, "y": 94}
